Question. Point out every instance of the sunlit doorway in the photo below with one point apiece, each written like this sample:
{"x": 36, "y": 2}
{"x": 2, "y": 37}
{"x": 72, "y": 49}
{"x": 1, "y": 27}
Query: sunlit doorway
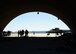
{"x": 38, "y": 24}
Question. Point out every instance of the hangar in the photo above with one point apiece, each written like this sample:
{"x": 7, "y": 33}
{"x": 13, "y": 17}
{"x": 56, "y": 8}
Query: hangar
{"x": 64, "y": 10}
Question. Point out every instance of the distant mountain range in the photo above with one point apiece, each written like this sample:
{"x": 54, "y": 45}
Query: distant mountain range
{"x": 64, "y": 31}
{"x": 38, "y": 31}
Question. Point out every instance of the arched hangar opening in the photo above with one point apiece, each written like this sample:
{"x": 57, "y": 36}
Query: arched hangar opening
{"x": 39, "y": 24}
{"x": 16, "y": 11}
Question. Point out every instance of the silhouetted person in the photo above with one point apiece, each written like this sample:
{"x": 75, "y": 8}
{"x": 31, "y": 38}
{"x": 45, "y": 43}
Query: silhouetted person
{"x": 8, "y": 33}
{"x": 4, "y": 33}
{"x": 18, "y": 33}
{"x": 26, "y": 33}
{"x": 21, "y": 33}
{"x": 33, "y": 33}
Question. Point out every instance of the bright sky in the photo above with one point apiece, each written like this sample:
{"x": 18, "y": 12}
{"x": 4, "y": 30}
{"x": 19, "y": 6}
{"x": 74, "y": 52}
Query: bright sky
{"x": 35, "y": 22}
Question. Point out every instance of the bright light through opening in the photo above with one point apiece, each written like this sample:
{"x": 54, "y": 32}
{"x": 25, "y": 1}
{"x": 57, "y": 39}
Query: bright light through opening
{"x": 35, "y": 22}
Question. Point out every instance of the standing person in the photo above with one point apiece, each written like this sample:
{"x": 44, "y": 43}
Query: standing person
{"x": 21, "y": 33}
{"x": 18, "y": 33}
{"x": 8, "y": 33}
{"x": 33, "y": 33}
{"x": 26, "y": 33}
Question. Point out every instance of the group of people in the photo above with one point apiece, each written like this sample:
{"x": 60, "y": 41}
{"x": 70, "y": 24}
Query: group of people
{"x": 22, "y": 33}
{"x": 6, "y": 33}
